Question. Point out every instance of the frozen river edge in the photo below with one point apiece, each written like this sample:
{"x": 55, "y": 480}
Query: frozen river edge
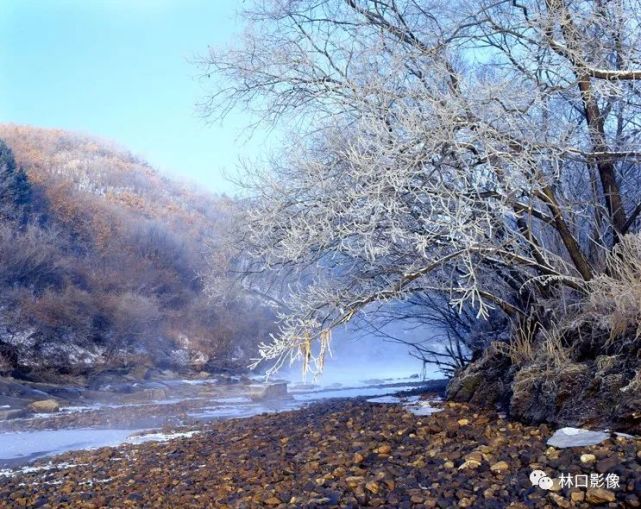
{"x": 111, "y": 424}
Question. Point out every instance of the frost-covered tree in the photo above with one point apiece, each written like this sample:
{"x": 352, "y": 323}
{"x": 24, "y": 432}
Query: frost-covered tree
{"x": 15, "y": 189}
{"x": 484, "y": 151}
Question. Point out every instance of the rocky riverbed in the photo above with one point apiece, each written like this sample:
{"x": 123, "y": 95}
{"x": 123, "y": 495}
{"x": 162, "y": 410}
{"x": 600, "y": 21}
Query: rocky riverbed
{"x": 347, "y": 453}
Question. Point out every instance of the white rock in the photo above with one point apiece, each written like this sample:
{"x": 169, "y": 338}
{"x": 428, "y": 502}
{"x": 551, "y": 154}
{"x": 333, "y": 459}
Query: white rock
{"x": 576, "y": 437}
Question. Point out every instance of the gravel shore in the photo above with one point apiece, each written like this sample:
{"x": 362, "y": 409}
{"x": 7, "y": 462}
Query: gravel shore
{"x": 349, "y": 453}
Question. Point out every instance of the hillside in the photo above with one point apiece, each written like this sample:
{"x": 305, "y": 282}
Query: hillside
{"x": 100, "y": 262}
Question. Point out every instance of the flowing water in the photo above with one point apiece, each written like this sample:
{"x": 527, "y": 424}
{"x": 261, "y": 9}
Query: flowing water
{"x": 111, "y": 418}
{"x": 99, "y": 424}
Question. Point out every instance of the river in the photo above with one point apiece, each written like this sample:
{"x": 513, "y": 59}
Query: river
{"x": 99, "y": 424}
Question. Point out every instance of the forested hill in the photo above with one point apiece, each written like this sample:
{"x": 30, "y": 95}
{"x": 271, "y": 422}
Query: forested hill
{"x": 100, "y": 261}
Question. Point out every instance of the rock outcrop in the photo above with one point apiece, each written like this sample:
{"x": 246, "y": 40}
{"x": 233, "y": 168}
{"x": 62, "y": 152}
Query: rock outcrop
{"x": 45, "y": 406}
{"x": 272, "y": 391}
{"x": 601, "y": 392}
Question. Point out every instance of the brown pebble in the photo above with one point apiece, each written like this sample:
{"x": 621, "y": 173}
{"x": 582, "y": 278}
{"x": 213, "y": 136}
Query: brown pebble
{"x": 373, "y": 487}
{"x": 559, "y": 500}
{"x": 596, "y": 496}
{"x": 577, "y": 496}
{"x": 501, "y": 466}
{"x": 384, "y": 449}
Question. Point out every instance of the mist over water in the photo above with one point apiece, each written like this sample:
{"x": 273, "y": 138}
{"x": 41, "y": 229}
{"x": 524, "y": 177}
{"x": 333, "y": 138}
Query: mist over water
{"x": 359, "y": 358}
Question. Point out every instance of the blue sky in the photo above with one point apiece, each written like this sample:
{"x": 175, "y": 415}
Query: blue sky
{"x": 120, "y": 69}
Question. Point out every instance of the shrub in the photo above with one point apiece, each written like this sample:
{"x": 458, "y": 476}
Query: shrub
{"x": 613, "y": 302}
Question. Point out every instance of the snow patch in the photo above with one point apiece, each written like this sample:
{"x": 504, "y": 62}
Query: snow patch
{"x": 159, "y": 437}
{"x": 7, "y": 472}
{"x": 421, "y": 408}
{"x": 91, "y": 482}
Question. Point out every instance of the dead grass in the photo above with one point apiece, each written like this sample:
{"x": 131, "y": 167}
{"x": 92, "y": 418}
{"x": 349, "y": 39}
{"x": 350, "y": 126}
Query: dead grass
{"x": 547, "y": 350}
{"x": 614, "y": 300}
{"x": 634, "y": 385}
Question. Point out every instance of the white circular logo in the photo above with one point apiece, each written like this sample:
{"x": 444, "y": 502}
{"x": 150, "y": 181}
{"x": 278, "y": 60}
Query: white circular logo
{"x": 536, "y": 476}
{"x": 540, "y": 478}
{"x": 545, "y": 483}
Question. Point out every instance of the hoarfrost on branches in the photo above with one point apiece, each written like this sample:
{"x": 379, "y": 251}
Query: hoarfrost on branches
{"x": 484, "y": 151}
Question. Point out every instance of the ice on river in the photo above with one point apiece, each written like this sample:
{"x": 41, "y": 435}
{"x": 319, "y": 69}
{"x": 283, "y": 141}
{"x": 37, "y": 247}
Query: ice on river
{"x": 412, "y": 404}
{"x": 352, "y": 392}
{"x": 385, "y": 399}
{"x": 18, "y": 448}
{"x": 28, "y": 445}
{"x": 36, "y": 444}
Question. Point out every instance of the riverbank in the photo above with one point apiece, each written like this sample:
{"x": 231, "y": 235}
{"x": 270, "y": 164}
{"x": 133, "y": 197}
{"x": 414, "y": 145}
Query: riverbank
{"x": 349, "y": 453}
{"x": 117, "y": 413}
{"x": 17, "y": 395}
